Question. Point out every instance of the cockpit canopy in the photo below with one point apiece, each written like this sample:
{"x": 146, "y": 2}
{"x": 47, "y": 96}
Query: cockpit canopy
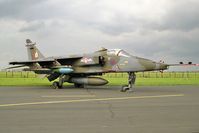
{"x": 118, "y": 52}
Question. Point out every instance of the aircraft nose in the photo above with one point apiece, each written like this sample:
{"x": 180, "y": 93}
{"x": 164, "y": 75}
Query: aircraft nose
{"x": 163, "y": 66}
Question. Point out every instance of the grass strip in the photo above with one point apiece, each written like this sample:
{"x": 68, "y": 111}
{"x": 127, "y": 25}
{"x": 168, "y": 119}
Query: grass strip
{"x": 112, "y": 81}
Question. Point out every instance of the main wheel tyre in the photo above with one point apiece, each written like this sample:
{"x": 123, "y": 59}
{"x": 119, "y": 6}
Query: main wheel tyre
{"x": 60, "y": 86}
{"x": 55, "y": 85}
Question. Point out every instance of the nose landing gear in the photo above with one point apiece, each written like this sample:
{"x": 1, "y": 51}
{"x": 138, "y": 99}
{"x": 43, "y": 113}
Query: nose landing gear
{"x": 131, "y": 82}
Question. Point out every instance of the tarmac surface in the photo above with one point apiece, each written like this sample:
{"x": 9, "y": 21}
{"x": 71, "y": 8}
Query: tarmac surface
{"x": 173, "y": 109}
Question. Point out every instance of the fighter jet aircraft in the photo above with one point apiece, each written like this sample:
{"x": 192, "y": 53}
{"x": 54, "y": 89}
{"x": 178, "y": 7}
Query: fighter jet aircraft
{"x": 85, "y": 69}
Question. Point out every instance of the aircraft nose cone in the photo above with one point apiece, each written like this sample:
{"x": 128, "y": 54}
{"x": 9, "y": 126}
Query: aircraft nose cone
{"x": 163, "y": 66}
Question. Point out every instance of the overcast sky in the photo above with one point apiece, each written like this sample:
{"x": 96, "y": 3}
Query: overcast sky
{"x": 156, "y": 29}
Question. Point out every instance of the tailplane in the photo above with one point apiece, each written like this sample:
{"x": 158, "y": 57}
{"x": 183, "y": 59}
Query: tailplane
{"x": 33, "y": 52}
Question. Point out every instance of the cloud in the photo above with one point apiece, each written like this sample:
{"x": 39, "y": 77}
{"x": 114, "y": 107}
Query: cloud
{"x": 181, "y": 15}
{"x": 32, "y": 26}
{"x": 17, "y": 9}
{"x": 153, "y": 29}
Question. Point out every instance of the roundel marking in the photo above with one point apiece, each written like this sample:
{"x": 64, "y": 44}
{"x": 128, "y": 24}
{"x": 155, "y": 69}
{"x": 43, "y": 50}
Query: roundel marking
{"x": 36, "y": 55}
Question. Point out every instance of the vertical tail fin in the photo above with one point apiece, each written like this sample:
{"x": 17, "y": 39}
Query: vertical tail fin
{"x": 33, "y": 52}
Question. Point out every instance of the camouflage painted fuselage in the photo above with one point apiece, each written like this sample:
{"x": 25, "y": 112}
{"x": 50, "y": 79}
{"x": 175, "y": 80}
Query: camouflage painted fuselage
{"x": 78, "y": 68}
{"x": 115, "y": 60}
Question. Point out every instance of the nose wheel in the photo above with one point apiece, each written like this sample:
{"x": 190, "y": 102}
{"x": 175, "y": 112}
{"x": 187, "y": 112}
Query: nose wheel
{"x": 131, "y": 82}
{"x": 125, "y": 88}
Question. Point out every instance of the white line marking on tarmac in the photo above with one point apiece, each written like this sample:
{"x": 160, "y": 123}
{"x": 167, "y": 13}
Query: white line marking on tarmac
{"x": 68, "y": 96}
{"x": 90, "y": 100}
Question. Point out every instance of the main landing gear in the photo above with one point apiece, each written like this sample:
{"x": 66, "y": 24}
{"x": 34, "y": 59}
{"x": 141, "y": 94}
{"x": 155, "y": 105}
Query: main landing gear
{"x": 59, "y": 85}
{"x": 131, "y": 82}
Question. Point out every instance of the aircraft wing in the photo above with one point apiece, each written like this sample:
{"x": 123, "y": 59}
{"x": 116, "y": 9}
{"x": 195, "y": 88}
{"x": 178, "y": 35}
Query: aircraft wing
{"x": 29, "y": 62}
{"x": 67, "y": 60}
{"x": 48, "y": 61}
